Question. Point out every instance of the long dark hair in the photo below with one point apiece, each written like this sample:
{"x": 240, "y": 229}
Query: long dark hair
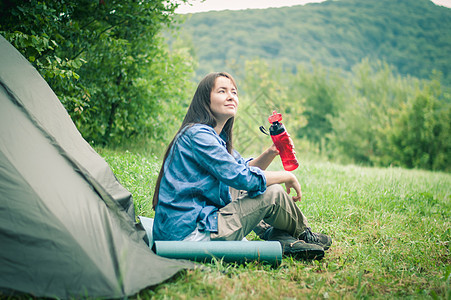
{"x": 199, "y": 112}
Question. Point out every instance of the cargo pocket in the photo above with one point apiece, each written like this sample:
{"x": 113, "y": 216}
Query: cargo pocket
{"x": 229, "y": 227}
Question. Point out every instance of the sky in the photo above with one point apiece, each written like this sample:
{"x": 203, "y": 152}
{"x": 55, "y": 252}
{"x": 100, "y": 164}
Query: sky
{"x": 207, "y": 5}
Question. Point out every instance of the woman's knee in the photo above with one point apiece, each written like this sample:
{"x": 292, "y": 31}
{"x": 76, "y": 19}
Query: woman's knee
{"x": 274, "y": 193}
{"x": 275, "y": 189}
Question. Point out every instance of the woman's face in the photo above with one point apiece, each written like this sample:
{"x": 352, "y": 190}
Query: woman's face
{"x": 223, "y": 99}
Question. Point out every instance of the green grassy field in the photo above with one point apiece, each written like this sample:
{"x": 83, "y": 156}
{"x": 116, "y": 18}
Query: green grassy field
{"x": 390, "y": 227}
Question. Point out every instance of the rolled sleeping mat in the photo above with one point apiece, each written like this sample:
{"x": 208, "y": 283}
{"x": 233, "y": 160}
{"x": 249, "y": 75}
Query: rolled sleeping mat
{"x": 229, "y": 251}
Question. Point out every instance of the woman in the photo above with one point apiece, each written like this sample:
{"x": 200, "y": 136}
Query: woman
{"x": 207, "y": 191}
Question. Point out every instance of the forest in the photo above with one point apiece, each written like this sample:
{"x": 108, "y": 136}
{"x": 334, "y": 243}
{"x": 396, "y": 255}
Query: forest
{"x": 414, "y": 36}
{"x": 364, "y": 82}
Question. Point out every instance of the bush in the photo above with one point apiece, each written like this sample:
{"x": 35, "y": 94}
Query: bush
{"x": 105, "y": 61}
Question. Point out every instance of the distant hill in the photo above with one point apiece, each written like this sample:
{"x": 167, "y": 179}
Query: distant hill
{"x": 412, "y": 35}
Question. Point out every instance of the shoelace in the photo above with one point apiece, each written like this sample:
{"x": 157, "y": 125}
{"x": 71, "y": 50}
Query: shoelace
{"x": 310, "y": 236}
{"x": 295, "y": 242}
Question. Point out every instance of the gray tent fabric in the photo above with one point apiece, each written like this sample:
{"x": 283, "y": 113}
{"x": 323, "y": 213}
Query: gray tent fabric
{"x": 66, "y": 224}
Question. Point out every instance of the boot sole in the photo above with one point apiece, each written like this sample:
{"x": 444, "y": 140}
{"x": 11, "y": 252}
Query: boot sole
{"x": 306, "y": 254}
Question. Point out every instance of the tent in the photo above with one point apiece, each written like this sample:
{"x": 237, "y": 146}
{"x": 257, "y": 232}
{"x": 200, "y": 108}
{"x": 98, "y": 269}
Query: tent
{"x": 66, "y": 224}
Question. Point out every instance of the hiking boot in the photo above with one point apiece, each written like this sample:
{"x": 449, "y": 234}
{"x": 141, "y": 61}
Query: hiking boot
{"x": 316, "y": 238}
{"x": 294, "y": 247}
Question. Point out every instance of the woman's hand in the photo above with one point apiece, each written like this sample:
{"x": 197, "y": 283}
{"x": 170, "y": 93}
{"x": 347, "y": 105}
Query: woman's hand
{"x": 272, "y": 150}
{"x": 287, "y": 178}
{"x": 294, "y": 184}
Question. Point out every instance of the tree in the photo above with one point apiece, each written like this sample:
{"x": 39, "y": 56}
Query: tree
{"x": 410, "y": 35}
{"x": 391, "y": 120}
{"x": 320, "y": 90}
{"x": 422, "y": 134}
{"x": 105, "y": 60}
{"x": 258, "y": 93}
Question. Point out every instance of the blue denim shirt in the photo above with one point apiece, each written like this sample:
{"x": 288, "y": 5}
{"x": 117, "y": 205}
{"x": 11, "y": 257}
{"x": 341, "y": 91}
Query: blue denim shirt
{"x": 197, "y": 175}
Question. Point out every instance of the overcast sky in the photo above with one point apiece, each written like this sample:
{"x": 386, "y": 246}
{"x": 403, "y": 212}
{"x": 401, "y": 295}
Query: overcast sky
{"x": 207, "y": 5}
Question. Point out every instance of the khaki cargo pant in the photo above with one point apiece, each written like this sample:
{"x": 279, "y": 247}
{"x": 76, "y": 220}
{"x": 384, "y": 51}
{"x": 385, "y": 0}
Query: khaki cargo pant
{"x": 273, "y": 208}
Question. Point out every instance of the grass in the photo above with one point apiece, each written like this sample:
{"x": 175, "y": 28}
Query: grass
{"x": 390, "y": 230}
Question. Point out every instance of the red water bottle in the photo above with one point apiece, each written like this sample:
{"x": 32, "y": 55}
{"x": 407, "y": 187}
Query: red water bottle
{"x": 283, "y": 142}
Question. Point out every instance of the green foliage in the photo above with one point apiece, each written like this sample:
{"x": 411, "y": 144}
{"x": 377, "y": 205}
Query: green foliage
{"x": 105, "y": 61}
{"x": 422, "y": 135}
{"x": 263, "y": 90}
{"x": 321, "y": 89}
{"x": 369, "y": 116}
{"x": 390, "y": 120}
{"x": 411, "y": 35}
{"x": 373, "y": 96}
{"x": 390, "y": 229}
{"x": 340, "y": 72}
